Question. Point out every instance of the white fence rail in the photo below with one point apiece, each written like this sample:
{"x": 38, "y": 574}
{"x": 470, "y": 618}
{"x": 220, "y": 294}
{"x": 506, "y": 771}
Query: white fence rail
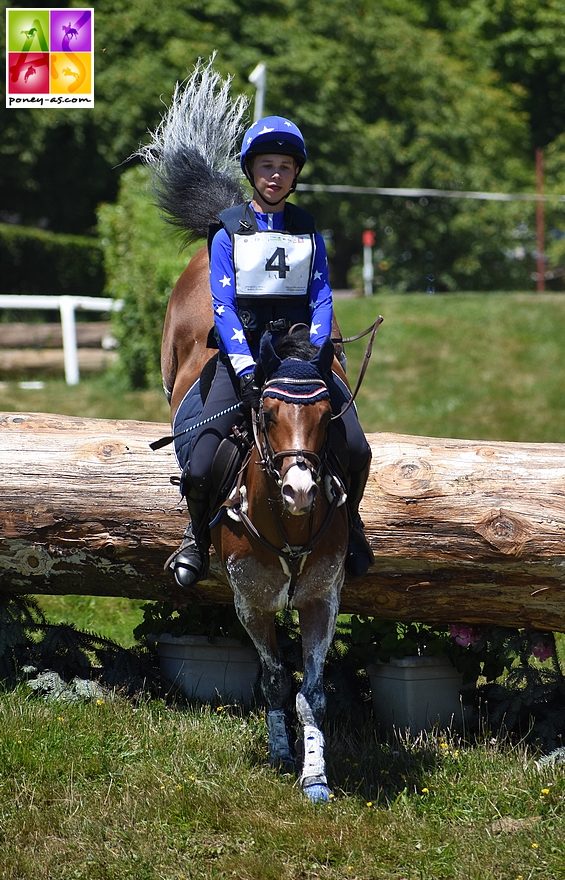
{"x": 67, "y": 306}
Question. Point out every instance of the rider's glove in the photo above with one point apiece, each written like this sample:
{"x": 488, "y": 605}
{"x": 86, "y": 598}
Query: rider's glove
{"x": 249, "y": 391}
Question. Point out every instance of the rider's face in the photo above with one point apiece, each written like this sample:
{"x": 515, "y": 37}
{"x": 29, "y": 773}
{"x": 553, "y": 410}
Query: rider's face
{"x": 273, "y": 176}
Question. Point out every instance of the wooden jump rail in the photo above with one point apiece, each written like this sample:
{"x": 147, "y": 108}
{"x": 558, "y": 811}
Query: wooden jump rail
{"x": 463, "y": 531}
{"x": 67, "y": 307}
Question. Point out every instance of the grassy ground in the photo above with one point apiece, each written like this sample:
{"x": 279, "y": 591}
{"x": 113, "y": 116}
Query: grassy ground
{"x": 470, "y": 366}
{"x": 108, "y": 790}
{"x": 115, "y": 791}
{"x": 458, "y": 365}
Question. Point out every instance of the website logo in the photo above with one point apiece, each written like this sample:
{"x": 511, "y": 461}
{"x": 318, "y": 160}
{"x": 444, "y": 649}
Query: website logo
{"x": 49, "y": 58}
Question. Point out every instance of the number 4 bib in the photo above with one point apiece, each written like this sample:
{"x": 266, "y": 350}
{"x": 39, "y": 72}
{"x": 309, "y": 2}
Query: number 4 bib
{"x": 272, "y": 264}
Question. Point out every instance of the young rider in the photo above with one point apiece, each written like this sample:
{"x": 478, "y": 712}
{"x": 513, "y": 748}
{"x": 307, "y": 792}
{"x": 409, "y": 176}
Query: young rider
{"x": 268, "y": 271}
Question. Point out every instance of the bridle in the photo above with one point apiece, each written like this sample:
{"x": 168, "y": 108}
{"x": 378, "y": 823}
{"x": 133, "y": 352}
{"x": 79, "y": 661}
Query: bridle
{"x": 301, "y": 457}
{"x": 292, "y": 557}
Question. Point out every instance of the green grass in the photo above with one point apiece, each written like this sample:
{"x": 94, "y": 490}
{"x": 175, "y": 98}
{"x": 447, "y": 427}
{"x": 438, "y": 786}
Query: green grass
{"x": 109, "y": 790}
{"x": 96, "y": 397}
{"x": 479, "y": 366}
{"x": 464, "y": 365}
{"x": 112, "y": 617}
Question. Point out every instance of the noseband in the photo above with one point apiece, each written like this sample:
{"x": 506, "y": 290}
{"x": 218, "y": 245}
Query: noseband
{"x": 295, "y": 391}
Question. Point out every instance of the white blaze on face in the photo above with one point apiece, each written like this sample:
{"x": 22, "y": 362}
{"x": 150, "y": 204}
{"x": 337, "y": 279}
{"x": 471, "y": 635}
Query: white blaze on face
{"x": 299, "y": 490}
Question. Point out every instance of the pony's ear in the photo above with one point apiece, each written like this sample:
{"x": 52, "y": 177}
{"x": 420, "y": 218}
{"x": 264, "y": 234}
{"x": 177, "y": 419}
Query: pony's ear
{"x": 323, "y": 359}
{"x": 269, "y": 361}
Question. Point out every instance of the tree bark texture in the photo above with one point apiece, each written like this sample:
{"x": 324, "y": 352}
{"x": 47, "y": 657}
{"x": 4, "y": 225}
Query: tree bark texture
{"x": 462, "y": 530}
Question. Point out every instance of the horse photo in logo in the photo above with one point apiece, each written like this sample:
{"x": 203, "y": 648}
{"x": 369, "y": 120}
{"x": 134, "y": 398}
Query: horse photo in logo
{"x": 71, "y": 30}
{"x": 50, "y": 57}
{"x": 70, "y": 73}
{"x": 28, "y": 51}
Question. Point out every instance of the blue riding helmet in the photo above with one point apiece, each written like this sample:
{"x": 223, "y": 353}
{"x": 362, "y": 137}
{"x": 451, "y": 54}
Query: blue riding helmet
{"x": 273, "y": 134}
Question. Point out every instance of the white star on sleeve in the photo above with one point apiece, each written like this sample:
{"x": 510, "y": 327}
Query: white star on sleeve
{"x": 314, "y": 329}
{"x": 238, "y": 335}
{"x": 225, "y": 281}
{"x": 317, "y": 275}
{"x": 220, "y": 310}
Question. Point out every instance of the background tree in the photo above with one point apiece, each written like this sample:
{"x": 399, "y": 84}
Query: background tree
{"x": 420, "y": 94}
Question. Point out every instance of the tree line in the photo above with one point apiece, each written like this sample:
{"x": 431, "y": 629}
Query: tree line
{"x": 442, "y": 94}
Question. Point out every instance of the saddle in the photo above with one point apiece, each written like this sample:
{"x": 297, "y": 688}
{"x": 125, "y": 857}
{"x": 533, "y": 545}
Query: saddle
{"x": 231, "y": 454}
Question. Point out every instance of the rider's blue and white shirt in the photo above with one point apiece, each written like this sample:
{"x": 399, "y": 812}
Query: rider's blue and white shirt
{"x": 306, "y": 276}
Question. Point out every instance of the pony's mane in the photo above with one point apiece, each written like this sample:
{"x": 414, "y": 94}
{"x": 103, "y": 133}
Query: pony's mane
{"x": 296, "y": 345}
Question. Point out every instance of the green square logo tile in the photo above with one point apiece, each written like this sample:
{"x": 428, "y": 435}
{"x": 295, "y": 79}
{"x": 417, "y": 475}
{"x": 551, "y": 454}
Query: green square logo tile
{"x": 28, "y": 30}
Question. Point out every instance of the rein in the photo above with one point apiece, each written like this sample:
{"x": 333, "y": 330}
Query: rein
{"x": 164, "y": 441}
{"x": 368, "y": 352}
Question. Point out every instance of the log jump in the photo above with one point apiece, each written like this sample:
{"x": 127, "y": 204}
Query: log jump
{"x": 462, "y": 530}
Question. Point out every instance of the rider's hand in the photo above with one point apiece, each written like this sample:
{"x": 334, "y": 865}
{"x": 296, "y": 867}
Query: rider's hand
{"x": 249, "y": 391}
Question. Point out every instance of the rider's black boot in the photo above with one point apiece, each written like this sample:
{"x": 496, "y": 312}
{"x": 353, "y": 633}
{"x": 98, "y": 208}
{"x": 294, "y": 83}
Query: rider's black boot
{"x": 190, "y": 562}
{"x": 359, "y": 554}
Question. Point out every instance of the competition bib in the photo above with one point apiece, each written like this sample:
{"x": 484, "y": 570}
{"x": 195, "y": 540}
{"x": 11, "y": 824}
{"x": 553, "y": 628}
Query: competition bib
{"x": 272, "y": 264}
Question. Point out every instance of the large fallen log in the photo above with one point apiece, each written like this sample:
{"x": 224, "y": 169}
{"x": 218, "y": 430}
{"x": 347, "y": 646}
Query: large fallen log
{"x": 463, "y": 531}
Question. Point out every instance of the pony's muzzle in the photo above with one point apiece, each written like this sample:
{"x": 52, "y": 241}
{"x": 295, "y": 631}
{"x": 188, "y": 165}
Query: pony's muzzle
{"x": 299, "y": 490}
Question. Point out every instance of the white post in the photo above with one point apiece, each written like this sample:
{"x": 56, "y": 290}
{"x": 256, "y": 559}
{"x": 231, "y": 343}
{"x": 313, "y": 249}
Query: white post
{"x": 68, "y": 326}
{"x": 258, "y": 77}
{"x": 368, "y": 270}
{"x": 368, "y": 244}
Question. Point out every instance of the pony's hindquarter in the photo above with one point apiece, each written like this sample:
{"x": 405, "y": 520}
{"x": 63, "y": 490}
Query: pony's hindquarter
{"x": 188, "y": 321}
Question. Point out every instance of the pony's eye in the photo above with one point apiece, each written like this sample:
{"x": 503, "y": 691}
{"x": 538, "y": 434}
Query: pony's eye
{"x": 269, "y": 418}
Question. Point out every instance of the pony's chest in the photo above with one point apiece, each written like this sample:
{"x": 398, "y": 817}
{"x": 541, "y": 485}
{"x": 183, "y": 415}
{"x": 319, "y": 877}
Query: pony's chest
{"x": 271, "y": 585}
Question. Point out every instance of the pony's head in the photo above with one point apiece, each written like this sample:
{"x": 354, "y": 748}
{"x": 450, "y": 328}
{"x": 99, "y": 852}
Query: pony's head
{"x": 294, "y": 415}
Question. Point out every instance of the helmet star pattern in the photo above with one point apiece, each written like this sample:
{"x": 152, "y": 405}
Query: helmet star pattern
{"x": 273, "y": 134}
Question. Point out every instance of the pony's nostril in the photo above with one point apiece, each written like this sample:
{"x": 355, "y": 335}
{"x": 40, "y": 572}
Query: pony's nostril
{"x": 288, "y": 493}
{"x": 312, "y": 492}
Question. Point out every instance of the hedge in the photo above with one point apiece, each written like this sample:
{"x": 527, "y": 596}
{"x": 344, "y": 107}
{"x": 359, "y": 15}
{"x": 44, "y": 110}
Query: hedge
{"x": 40, "y": 262}
{"x": 143, "y": 260}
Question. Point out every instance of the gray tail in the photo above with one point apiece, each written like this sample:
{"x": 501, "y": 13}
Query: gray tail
{"x": 193, "y": 150}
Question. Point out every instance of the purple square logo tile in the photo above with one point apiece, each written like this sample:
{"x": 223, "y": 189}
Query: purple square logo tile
{"x": 71, "y": 30}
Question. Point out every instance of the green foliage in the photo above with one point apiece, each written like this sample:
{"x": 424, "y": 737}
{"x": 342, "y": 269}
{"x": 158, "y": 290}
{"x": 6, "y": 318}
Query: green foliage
{"x": 373, "y": 639}
{"x": 512, "y": 676}
{"x": 41, "y": 262}
{"x": 29, "y": 644}
{"x": 194, "y": 619}
{"x": 437, "y": 95}
{"x": 524, "y": 42}
{"x": 142, "y": 265}
{"x": 414, "y": 113}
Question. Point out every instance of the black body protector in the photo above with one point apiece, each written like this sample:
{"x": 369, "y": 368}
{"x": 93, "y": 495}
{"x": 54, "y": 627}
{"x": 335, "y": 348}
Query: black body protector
{"x": 272, "y": 269}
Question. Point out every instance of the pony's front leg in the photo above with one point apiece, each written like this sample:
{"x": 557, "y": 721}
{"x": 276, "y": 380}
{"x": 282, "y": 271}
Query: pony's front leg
{"x": 275, "y": 680}
{"x": 313, "y": 779}
{"x": 317, "y": 626}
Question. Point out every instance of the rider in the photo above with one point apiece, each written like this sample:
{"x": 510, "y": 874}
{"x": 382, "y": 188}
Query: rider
{"x": 268, "y": 271}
